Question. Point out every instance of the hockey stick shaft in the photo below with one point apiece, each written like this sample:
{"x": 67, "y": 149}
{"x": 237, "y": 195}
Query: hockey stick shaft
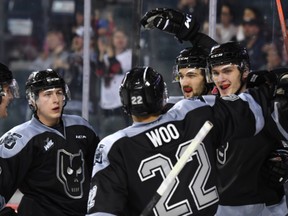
{"x": 178, "y": 167}
{"x": 282, "y": 23}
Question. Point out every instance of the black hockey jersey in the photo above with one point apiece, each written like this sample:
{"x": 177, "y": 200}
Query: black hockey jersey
{"x": 52, "y": 170}
{"x": 130, "y": 165}
{"x": 239, "y": 166}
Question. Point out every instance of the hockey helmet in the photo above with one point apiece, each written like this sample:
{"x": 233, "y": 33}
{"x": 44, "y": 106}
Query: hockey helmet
{"x": 43, "y": 80}
{"x": 6, "y": 78}
{"x": 143, "y": 91}
{"x": 191, "y": 57}
{"x": 229, "y": 53}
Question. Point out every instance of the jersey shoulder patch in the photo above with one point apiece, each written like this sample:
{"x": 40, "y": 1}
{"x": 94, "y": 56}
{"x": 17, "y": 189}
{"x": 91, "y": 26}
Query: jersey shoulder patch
{"x": 232, "y": 97}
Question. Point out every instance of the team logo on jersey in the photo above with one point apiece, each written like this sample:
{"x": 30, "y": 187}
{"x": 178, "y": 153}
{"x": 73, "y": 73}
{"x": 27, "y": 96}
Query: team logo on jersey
{"x": 70, "y": 172}
{"x": 81, "y": 137}
{"x": 10, "y": 140}
{"x": 98, "y": 154}
{"x": 48, "y": 144}
{"x": 231, "y": 97}
{"x": 188, "y": 20}
{"x": 91, "y": 199}
{"x": 222, "y": 153}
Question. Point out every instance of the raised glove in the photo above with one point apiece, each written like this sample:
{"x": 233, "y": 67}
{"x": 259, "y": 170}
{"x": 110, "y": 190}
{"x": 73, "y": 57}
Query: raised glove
{"x": 258, "y": 78}
{"x": 275, "y": 169}
{"x": 183, "y": 26}
{"x": 277, "y": 79}
{"x": 282, "y": 80}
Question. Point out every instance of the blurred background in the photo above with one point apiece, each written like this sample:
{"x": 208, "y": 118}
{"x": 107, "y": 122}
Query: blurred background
{"x": 41, "y": 34}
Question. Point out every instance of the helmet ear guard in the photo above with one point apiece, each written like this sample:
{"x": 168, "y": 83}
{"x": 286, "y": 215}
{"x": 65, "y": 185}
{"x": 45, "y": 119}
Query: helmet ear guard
{"x": 143, "y": 92}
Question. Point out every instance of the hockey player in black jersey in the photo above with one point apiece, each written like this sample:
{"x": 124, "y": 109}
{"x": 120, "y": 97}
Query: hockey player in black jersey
{"x": 246, "y": 190}
{"x": 130, "y": 164}
{"x": 8, "y": 91}
{"x": 50, "y": 157}
{"x": 191, "y": 72}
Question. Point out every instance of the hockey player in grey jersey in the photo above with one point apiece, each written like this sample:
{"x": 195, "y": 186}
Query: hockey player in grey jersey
{"x": 50, "y": 157}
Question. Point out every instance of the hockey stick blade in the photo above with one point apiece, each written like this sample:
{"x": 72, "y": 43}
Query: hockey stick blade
{"x": 178, "y": 167}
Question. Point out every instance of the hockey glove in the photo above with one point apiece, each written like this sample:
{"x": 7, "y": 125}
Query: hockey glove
{"x": 282, "y": 81}
{"x": 277, "y": 79}
{"x": 183, "y": 26}
{"x": 275, "y": 169}
{"x": 257, "y": 78}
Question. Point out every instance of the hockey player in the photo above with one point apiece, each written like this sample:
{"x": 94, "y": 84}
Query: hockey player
{"x": 50, "y": 157}
{"x": 130, "y": 164}
{"x": 230, "y": 74}
{"x": 229, "y": 66}
{"x": 191, "y": 72}
{"x": 8, "y": 90}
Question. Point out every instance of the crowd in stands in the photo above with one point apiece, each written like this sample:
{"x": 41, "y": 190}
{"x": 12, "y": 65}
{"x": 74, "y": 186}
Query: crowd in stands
{"x": 111, "y": 55}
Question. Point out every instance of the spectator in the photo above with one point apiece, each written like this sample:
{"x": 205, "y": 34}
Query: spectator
{"x": 254, "y": 41}
{"x": 226, "y": 30}
{"x": 114, "y": 58}
{"x": 273, "y": 56}
{"x": 74, "y": 73}
{"x": 103, "y": 24}
{"x": 79, "y": 21}
{"x": 248, "y": 14}
{"x": 54, "y": 53}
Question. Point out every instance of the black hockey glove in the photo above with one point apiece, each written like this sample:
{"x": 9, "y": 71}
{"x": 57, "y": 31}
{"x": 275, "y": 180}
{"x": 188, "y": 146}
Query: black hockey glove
{"x": 269, "y": 89}
{"x": 258, "y": 78}
{"x": 275, "y": 169}
{"x": 183, "y": 26}
{"x": 8, "y": 211}
{"x": 282, "y": 81}
{"x": 277, "y": 79}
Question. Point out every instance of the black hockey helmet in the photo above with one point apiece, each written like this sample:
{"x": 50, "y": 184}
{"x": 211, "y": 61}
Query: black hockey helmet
{"x": 229, "y": 53}
{"x": 6, "y": 75}
{"x": 42, "y": 80}
{"x": 143, "y": 91}
{"x": 6, "y": 78}
{"x": 191, "y": 57}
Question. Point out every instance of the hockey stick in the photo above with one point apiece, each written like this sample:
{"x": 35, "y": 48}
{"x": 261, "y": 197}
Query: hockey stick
{"x": 282, "y": 23}
{"x": 204, "y": 130}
